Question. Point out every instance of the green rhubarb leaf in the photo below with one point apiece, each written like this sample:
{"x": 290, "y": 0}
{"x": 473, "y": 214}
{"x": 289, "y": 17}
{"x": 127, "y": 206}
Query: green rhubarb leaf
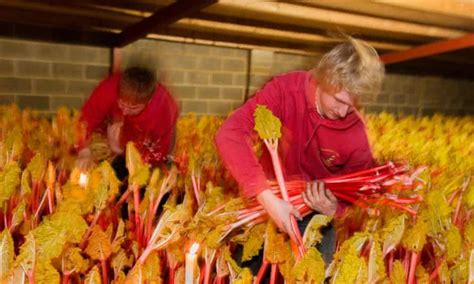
{"x": 267, "y": 125}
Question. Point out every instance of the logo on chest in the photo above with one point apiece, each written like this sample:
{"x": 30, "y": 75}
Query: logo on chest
{"x": 329, "y": 157}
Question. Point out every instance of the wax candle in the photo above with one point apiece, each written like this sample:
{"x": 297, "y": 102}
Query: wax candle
{"x": 191, "y": 263}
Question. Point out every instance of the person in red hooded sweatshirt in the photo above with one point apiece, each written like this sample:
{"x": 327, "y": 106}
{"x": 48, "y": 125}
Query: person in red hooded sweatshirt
{"x": 130, "y": 106}
{"x": 323, "y": 135}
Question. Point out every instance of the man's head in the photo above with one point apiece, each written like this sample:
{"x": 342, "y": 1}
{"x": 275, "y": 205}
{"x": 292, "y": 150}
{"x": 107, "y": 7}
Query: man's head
{"x": 135, "y": 90}
{"x": 350, "y": 71}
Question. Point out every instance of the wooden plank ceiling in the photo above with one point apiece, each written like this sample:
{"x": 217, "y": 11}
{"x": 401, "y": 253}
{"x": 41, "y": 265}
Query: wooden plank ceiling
{"x": 304, "y": 27}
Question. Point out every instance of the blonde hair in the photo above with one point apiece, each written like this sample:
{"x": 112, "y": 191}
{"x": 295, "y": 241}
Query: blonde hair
{"x": 353, "y": 66}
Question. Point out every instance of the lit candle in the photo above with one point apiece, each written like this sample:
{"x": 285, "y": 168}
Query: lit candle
{"x": 83, "y": 178}
{"x": 191, "y": 263}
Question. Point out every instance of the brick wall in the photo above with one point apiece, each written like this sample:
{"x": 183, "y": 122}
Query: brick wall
{"x": 204, "y": 79}
{"x": 45, "y": 76}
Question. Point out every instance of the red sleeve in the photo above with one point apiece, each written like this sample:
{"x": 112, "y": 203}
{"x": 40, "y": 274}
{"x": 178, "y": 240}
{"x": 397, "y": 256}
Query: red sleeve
{"x": 234, "y": 140}
{"x": 98, "y": 105}
{"x": 162, "y": 138}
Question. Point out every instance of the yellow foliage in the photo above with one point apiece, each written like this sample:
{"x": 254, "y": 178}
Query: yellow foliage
{"x": 93, "y": 277}
{"x": 99, "y": 246}
{"x": 254, "y": 242}
{"x": 138, "y": 170}
{"x": 453, "y": 240}
{"x": 267, "y": 125}
{"x": 45, "y": 273}
{"x": 310, "y": 269}
{"x": 73, "y": 260}
{"x": 9, "y": 181}
{"x": 245, "y": 277}
{"x": 398, "y": 273}
{"x": 312, "y": 235}
{"x": 392, "y": 233}
{"x": 7, "y": 253}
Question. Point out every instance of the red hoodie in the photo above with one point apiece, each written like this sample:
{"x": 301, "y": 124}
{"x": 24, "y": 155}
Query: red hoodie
{"x": 151, "y": 130}
{"x": 311, "y": 147}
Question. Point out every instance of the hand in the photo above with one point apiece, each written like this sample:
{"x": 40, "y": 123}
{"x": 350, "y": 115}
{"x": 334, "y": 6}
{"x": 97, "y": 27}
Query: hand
{"x": 279, "y": 211}
{"x": 114, "y": 132}
{"x": 319, "y": 198}
{"x": 84, "y": 159}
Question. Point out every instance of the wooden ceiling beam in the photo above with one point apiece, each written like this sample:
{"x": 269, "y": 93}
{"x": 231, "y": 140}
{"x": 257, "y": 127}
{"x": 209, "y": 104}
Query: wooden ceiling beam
{"x": 161, "y": 18}
{"x": 464, "y": 9}
{"x": 429, "y": 49}
{"x": 280, "y": 12}
{"x": 264, "y": 34}
{"x": 385, "y": 9}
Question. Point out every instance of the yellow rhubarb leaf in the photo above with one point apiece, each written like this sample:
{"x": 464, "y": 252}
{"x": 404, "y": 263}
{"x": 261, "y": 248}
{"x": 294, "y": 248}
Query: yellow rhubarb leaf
{"x": 93, "y": 277}
{"x": 9, "y": 181}
{"x": 392, "y": 233}
{"x": 138, "y": 170}
{"x": 99, "y": 246}
{"x": 245, "y": 277}
{"x": 398, "y": 274}
{"x": 45, "y": 273}
{"x": 254, "y": 243}
{"x": 310, "y": 269}
{"x": 312, "y": 235}
{"x": 7, "y": 253}
{"x": 73, "y": 260}
{"x": 267, "y": 125}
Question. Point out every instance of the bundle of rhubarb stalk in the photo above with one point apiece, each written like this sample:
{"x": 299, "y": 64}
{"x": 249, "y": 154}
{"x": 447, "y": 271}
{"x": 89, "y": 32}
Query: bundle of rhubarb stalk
{"x": 409, "y": 220}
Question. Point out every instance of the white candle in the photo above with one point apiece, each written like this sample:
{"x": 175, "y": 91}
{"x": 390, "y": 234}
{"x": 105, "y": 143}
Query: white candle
{"x": 83, "y": 178}
{"x": 191, "y": 262}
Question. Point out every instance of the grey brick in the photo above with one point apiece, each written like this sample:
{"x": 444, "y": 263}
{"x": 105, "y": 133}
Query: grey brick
{"x": 53, "y": 52}
{"x": 49, "y": 86}
{"x": 200, "y": 78}
{"x": 184, "y": 92}
{"x": 222, "y": 78}
{"x": 33, "y": 69}
{"x": 223, "y": 51}
{"x": 195, "y": 49}
{"x": 239, "y": 79}
{"x": 15, "y": 85}
{"x": 428, "y": 111}
{"x": 374, "y": 108}
{"x": 405, "y": 111}
{"x": 68, "y": 70}
{"x": 69, "y": 102}
{"x": 194, "y": 106}
{"x": 182, "y": 62}
{"x": 382, "y": 98}
{"x": 413, "y": 98}
{"x": 219, "y": 107}
{"x": 232, "y": 93}
{"x": 6, "y": 67}
{"x": 103, "y": 55}
{"x": 258, "y": 80}
{"x": 96, "y": 72}
{"x": 34, "y": 102}
{"x": 236, "y": 105}
{"x": 208, "y": 92}
{"x": 173, "y": 77}
{"x": 398, "y": 98}
{"x": 209, "y": 64}
{"x": 84, "y": 88}
{"x": 7, "y": 99}
{"x": 234, "y": 65}
{"x": 13, "y": 49}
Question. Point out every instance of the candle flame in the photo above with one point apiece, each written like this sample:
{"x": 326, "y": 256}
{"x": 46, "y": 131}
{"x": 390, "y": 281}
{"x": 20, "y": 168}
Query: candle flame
{"x": 83, "y": 178}
{"x": 194, "y": 248}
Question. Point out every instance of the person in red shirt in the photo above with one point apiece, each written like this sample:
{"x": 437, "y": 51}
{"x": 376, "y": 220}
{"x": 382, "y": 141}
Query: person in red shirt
{"x": 130, "y": 106}
{"x": 323, "y": 135}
